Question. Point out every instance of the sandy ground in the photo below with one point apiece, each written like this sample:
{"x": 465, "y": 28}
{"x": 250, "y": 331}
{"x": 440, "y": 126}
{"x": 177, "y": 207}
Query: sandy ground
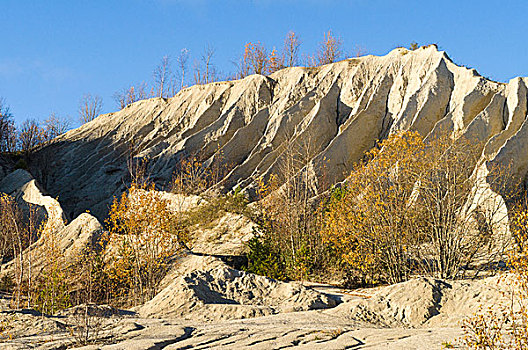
{"x": 300, "y": 330}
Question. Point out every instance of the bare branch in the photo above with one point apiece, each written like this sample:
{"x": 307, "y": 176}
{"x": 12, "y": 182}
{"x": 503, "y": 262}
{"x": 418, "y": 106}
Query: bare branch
{"x": 89, "y": 108}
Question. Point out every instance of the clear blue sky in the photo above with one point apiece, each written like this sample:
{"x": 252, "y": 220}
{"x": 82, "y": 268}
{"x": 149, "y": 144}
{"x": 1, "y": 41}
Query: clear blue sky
{"x": 52, "y": 52}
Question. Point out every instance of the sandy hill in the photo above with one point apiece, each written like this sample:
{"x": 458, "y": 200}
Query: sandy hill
{"x": 340, "y": 110}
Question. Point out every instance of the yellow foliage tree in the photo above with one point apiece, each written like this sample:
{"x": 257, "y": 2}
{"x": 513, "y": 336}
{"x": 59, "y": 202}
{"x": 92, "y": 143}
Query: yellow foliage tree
{"x": 257, "y": 61}
{"x": 369, "y": 220}
{"x": 144, "y": 237}
{"x": 290, "y": 54}
{"x": 330, "y": 49}
{"x": 50, "y": 292}
{"x": 275, "y": 62}
{"x": 415, "y": 206}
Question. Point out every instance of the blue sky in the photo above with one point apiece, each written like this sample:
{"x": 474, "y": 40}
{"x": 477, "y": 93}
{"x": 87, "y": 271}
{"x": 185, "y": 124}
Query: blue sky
{"x": 52, "y": 52}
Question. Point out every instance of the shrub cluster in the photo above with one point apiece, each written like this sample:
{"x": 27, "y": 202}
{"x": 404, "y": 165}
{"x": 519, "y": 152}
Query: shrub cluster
{"x": 410, "y": 207}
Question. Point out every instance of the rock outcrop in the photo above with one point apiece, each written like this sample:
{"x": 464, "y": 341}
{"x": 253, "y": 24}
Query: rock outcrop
{"x": 71, "y": 237}
{"x": 340, "y": 110}
{"x": 333, "y": 113}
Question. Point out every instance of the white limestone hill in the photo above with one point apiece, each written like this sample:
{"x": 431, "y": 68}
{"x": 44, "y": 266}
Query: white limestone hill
{"x": 339, "y": 109}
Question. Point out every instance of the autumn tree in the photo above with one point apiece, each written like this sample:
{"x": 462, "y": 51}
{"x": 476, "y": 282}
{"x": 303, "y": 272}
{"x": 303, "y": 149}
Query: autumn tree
{"x": 191, "y": 177}
{"x": 194, "y": 175}
{"x": 416, "y": 206}
{"x": 368, "y": 220}
{"x": 51, "y": 290}
{"x": 462, "y": 215}
{"x": 503, "y": 325}
{"x": 144, "y": 238}
{"x": 330, "y": 49}
{"x": 275, "y": 61}
{"x": 255, "y": 60}
{"x": 290, "y": 53}
{"x": 89, "y": 108}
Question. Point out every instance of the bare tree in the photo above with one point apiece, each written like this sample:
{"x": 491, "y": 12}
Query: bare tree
{"x": 54, "y": 126}
{"x": 30, "y": 135}
{"x": 210, "y": 71}
{"x": 290, "y": 219}
{"x": 163, "y": 77}
{"x": 129, "y": 95}
{"x": 7, "y": 128}
{"x": 89, "y": 108}
{"x": 12, "y": 234}
{"x": 182, "y": 65}
{"x": 330, "y": 49}
{"x": 309, "y": 60}
{"x": 197, "y": 73}
{"x": 205, "y": 71}
{"x": 291, "y": 49}
{"x": 16, "y": 234}
{"x": 357, "y": 51}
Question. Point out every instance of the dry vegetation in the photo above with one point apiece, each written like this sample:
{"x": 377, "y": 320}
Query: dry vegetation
{"x": 506, "y": 326}
{"x": 404, "y": 210}
{"x": 411, "y": 207}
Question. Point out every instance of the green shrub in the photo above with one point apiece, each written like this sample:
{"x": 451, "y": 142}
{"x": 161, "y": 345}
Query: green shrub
{"x": 52, "y": 292}
{"x": 264, "y": 260}
{"x": 216, "y": 207}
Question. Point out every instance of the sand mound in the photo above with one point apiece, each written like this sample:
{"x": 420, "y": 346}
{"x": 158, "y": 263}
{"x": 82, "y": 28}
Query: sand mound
{"x": 215, "y": 292}
{"x": 426, "y": 302}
